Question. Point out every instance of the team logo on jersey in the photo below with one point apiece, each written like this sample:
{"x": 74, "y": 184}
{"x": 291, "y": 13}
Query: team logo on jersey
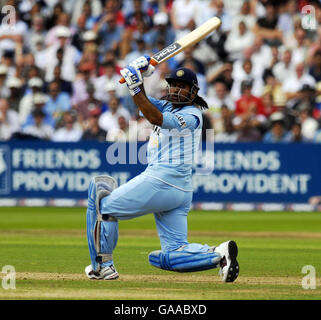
{"x": 181, "y": 121}
{"x": 180, "y": 73}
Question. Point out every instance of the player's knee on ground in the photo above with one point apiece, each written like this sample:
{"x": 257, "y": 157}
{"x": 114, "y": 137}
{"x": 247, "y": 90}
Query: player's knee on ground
{"x": 184, "y": 262}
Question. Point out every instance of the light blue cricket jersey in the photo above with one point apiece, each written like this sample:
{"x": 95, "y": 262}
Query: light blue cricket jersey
{"x": 172, "y": 147}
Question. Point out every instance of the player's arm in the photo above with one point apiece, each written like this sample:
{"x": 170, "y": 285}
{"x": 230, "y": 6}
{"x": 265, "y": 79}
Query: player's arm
{"x": 150, "y": 112}
{"x": 134, "y": 80}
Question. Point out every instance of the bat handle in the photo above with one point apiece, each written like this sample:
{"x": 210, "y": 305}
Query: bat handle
{"x": 153, "y": 62}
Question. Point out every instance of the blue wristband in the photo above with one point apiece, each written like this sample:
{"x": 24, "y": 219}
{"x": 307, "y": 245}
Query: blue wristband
{"x": 135, "y": 91}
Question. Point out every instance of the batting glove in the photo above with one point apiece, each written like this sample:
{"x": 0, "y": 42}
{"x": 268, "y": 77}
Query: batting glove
{"x": 133, "y": 78}
{"x": 143, "y": 64}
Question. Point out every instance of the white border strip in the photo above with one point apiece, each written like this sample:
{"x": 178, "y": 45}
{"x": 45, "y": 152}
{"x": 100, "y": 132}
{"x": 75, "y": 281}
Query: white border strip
{"x": 206, "y": 206}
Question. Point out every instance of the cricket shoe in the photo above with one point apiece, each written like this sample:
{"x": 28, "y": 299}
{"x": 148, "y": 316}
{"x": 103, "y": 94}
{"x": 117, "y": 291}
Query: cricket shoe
{"x": 105, "y": 273}
{"x": 229, "y": 267}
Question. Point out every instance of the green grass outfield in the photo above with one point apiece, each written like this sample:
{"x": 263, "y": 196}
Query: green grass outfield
{"x": 48, "y": 249}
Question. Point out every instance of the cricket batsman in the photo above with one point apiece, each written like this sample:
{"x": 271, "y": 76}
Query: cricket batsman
{"x": 163, "y": 189}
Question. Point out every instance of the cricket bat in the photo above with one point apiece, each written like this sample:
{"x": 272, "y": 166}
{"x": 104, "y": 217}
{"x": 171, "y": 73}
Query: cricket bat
{"x": 188, "y": 40}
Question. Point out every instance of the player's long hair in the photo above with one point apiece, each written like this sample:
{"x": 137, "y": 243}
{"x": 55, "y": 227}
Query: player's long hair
{"x": 200, "y": 102}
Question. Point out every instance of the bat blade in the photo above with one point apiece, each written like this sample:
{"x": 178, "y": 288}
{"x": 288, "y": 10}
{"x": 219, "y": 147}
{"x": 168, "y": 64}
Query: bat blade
{"x": 188, "y": 40}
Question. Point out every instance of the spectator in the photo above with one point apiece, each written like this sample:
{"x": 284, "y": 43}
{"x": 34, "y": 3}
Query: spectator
{"x": 89, "y": 39}
{"x": 188, "y": 56}
{"x": 217, "y": 40}
{"x": 248, "y": 103}
{"x": 90, "y": 15}
{"x": 37, "y": 33}
{"x": 238, "y": 40}
{"x": 261, "y": 56}
{"x": 77, "y": 39}
{"x": 245, "y": 15}
{"x": 267, "y": 26}
{"x": 140, "y": 129}
{"x": 84, "y": 77}
{"x": 299, "y": 46}
{"x": 109, "y": 76}
{"x": 84, "y": 108}
{"x": 315, "y": 67}
{"x": 288, "y": 13}
{"x": 277, "y": 131}
{"x": 223, "y": 73}
{"x": 246, "y": 74}
{"x": 317, "y": 107}
{"x": 92, "y": 6}
{"x": 69, "y": 59}
{"x": 9, "y": 121}
{"x": 292, "y": 85}
{"x": 224, "y": 130}
{"x": 250, "y": 119}
{"x": 53, "y": 19}
{"x": 183, "y": 16}
{"x": 305, "y": 99}
{"x": 15, "y": 88}
{"x": 296, "y": 133}
{"x": 273, "y": 86}
{"x": 142, "y": 33}
{"x": 8, "y": 60}
{"x": 34, "y": 85}
{"x": 84, "y": 44}
{"x": 111, "y": 90}
{"x": 39, "y": 100}
{"x": 58, "y": 102}
{"x": 110, "y": 56}
{"x": 267, "y": 99}
{"x": 138, "y": 14}
{"x": 4, "y": 90}
{"x": 65, "y": 86}
{"x": 93, "y": 131}
{"x": 141, "y": 49}
{"x": 109, "y": 119}
{"x": 70, "y": 130}
{"x": 39, "y": 129}
{"x": 90, "y": 57}
{"x": 284, "y": 68}
{"x": 27, "y": 66}
{"x": 115, "y": 7}
{"x": 62, "y": 26}
{"x": 219, "y": 98}
{"x": 162, "y": 30}
{"x": 109, "y": 32}
{"x": 309, "y": 125}
{"x": 120, "y": 134}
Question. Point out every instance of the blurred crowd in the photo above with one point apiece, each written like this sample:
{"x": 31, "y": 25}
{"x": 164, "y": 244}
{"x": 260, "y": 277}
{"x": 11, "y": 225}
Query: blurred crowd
{"x": 60, "y": 63}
